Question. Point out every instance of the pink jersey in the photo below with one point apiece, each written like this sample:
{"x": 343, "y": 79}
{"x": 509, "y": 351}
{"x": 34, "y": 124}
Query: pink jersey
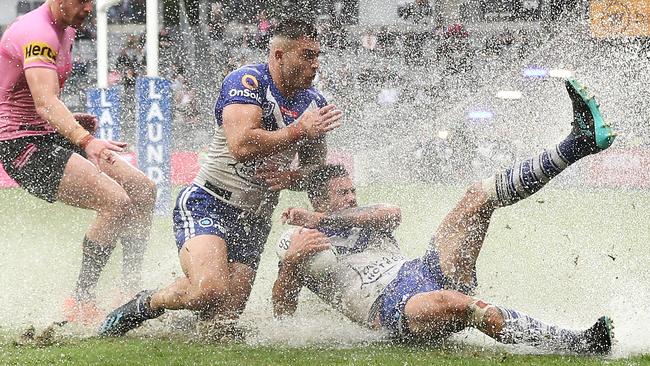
{"x": 33, "y": 40}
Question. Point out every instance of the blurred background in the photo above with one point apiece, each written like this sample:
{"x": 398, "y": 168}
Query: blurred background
{"x": 436, "y": 91}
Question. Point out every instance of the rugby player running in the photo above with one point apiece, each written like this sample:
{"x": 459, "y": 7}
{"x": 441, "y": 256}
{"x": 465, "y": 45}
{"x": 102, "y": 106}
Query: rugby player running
{"x": 46, "y": 150}
{"x": 348, "y": 256}
{"x": 265, "y": 115}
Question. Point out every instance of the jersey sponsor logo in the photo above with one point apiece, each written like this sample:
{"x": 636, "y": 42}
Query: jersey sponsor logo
{"x": 249, "y": 82}
{"x": 39, "y": 51}
{"x": 268, "y": 108}
{"x": 245, "y": 93}
{"x": 288, "y": 112}
{"x": 374, "y": 270}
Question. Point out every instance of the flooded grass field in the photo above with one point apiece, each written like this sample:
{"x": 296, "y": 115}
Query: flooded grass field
{"x": 566, "y": 255}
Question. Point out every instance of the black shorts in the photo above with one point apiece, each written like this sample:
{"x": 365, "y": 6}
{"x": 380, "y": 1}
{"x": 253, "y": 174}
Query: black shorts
{"x": 37, "y": 163}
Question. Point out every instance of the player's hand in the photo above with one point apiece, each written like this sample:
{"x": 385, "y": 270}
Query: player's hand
{"x": 301, "y": 217}
{"x": 103, "y": 150}
{"x": 304, "y": 244}
{"x": 278, "y": 179}
{"x": 87, "y": 121}
{"x": 316, "y": 123}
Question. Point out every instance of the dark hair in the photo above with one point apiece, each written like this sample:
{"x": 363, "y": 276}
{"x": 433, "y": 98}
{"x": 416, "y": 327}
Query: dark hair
{"x": 319, "y": 178}
{"x": 295, "y": 28}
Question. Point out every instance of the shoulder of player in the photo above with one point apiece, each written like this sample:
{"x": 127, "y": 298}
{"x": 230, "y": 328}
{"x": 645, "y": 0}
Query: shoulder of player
{"x": 314, "y": 94}
{"x": 256, "y": 72}
{"x": 30, "y": 29}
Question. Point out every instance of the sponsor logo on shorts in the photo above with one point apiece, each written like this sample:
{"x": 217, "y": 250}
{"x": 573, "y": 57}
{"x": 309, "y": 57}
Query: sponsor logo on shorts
{"x": 245, "y": 93}
{"x": 206, "y": 222}
{"x": 39, "y": 51}
{"x": 249, "y": 82}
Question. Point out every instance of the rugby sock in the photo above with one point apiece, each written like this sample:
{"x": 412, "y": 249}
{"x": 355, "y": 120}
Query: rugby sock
{"x": 133, "y": 249}
{"x": 520, "y": 328}
{"x": 94, "y": 258}
{"x": 143, "y": 305}
{"x": 529, "y": 176}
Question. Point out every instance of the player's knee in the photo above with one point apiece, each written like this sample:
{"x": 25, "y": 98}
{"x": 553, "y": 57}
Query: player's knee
{"x": 455, "y": 304}
{"x": 150, "y": 191}
{"x": 118, "y": 204}
{"x": 145, "y": 193}
{"x": 438, "y": 314}
{"x": 209, "y": 292}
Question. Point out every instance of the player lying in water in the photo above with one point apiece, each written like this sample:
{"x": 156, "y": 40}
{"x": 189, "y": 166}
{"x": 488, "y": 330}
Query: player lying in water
{"x": 348, "y": 256}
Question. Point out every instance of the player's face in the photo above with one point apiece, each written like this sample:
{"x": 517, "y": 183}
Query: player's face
{"x": 300, "y": 63}
{"x": 74, "y": 12}
{"x": 342, "y": 194}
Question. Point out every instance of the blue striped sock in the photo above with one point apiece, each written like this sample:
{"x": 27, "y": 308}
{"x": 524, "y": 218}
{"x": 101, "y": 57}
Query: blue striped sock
{"x": 519, "y": 328}
{"x": 529, "y": 176}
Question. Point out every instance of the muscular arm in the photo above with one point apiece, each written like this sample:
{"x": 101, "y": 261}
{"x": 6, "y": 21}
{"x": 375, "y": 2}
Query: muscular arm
{"x": 44, "y": 86}
{"x": 247, "y": 139}
{"x": 380, "y": 217}
{"x": 286, "y": 290}
{"x": 302, "y": 245}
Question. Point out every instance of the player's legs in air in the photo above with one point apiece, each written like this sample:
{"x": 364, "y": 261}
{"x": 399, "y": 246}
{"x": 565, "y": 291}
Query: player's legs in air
{"x": 219, "y": 251}
{"x": 459, "y": 238}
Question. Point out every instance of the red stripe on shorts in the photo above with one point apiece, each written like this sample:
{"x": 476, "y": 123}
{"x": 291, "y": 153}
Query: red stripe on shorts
{"x": 20, "y": 161}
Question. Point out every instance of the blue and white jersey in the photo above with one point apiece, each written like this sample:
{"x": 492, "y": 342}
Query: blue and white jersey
{"x": 355, "y": 272}
{"x": 233, "y": 181}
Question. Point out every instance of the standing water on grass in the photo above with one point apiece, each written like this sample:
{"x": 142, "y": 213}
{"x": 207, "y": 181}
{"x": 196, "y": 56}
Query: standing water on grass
{"x": 421, "y": 124}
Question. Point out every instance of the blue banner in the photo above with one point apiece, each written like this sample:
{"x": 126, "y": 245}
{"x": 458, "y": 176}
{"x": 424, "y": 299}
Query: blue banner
{"x": 105, "y": 104}
{"x": 154, "y": 135}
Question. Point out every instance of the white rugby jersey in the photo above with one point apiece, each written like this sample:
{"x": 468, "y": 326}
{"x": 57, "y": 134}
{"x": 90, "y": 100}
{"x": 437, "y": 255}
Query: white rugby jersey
{"x": 351, "y": 276}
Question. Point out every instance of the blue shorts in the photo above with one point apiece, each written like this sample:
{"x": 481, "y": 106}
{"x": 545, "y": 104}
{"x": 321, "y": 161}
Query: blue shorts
{"x": 197, "y": 212}
{"x": 415, "y": 277}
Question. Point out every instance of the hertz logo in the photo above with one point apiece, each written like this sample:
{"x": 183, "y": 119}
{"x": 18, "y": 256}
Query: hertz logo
{"x": 39, "y": 51}
{"x": 249, "y": 82}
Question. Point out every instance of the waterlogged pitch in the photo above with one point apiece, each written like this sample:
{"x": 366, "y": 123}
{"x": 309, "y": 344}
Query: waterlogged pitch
{"x": 565, "y": 255}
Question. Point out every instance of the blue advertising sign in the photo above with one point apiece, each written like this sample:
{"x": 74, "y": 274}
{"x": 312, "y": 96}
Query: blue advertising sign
{"x": 105, "y": 104}
{"x": 154, "y": 135}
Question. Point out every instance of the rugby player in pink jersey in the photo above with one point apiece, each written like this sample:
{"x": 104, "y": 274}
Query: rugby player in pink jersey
{"x": 46, "y": 149}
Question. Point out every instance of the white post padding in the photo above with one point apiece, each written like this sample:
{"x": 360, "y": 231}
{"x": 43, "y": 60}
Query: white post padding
{"x": 152, "y": 38}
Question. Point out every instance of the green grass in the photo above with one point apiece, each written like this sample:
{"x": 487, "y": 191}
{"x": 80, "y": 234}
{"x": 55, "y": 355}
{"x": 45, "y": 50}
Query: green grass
{"x": 165, "y": 352}
{"x": 566, "y": 256}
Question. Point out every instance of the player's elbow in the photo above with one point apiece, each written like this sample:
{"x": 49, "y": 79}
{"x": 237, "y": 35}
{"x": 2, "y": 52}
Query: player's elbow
{"x": 242, "y": 155}
{"x": 241, "y": 151}
{"x": 43, "y": 108}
